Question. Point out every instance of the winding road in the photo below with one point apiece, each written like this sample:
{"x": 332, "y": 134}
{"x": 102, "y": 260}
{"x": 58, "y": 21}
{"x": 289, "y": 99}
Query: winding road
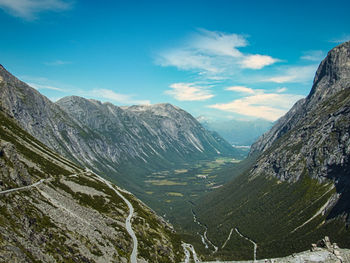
{"x": 133, "y": 256}
{"x": 186, "y": 248}
{"x": 23, "y": 187}
{"x": 204, "y": 237}
{"x": 251, "y": 241}
{"x": 228, "y": 238}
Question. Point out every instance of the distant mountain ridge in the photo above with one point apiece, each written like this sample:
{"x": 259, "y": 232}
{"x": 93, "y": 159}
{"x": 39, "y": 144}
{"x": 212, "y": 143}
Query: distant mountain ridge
{"x": 109, "y": 139}
{"x": 237, "y": 132}
{"x": 298, "y": 189}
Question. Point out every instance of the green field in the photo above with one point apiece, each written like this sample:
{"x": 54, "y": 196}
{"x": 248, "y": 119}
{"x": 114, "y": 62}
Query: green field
{"x": 167, "y": 191}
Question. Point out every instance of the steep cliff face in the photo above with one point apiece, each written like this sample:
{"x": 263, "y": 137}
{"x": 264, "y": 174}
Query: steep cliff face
{"x": 110, "y": 139}
{"x": 332, "y": 76}
{"x": 39, "y": 116}
{"x": 315, "y": 141}
{"x": 299, "y": 187}
{"x": 54, "y": 211}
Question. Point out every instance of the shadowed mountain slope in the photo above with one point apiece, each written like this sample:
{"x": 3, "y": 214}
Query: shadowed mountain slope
{"x": 298, "y": 189}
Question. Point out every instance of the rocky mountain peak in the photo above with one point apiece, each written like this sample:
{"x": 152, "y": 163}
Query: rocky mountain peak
{"x": 6, "y": 76}
{"x": 313, "y": 137}
{"x": 333, "y": 74}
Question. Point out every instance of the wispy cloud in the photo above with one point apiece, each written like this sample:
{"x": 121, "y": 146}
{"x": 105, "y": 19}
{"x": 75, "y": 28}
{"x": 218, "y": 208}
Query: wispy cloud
{"x": 217, "y": 43}
{"x": 280, "y": 90}
{"x": 213, "y": 54}
{"x": 41, "y": 87}
{"x": 45, "y": 86}
{"x": 297, "y": 74}
{"x": 343, "y": 38}
{"x": 241, "y": 89}
{"x": 57, "y": 63}
{"x": 268, "y": 106}
{"x": 187, "y": 60}
{"x": 313, "y": 55}
{"x": 259, "y": 104}
{"x": 110, "y": 95}
{"x": 189, "y": 92}
{"x": 257, "y": 61}
{"x": 29, "y": 9}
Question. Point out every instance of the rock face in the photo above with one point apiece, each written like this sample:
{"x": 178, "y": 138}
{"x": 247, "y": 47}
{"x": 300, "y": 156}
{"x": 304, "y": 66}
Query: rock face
{"x": 299, "y": 187}
{"x": 109, "y": 139}
{"x": 70, "y": 215}
{"x": 332, "y": 76}
{"x": 314, "y": 138}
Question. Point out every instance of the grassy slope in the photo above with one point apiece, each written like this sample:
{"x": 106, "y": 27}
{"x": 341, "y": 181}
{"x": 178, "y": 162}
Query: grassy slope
{"x": 23, "y": 219}
{"x": 267, "y": 211}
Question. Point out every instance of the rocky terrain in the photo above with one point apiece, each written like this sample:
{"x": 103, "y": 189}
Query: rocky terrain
{"x": 298, "y": 188}
{"x": 295, "y": 192}
{"x": 120, "y": 142}
{"x": 54, "y": 211}
{"x": 315, "y": 141}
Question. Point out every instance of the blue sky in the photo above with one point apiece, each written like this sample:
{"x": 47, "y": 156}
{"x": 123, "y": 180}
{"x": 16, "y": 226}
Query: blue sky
{"x": 221, "y": 59}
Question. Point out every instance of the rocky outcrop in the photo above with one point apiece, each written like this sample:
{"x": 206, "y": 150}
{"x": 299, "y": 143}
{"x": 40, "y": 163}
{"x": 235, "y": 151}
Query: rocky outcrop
{"x": 332, "y": 76}
{"x": 12, "y": 169}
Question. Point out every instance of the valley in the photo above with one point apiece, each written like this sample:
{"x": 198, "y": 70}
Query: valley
{"x": 189, "y": 194}
{"x": 168, "y": 190}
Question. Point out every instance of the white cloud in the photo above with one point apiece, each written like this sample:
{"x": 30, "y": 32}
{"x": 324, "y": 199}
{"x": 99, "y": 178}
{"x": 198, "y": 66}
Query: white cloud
{"x": 40, "y": 87}
{"x": 241, "y": 89}
{"x": 28, "y": 9}
{"x": 58, "y": 63}
{"x": 218, "y": 43}
{"x": 257, "y": 61}
{"x": 189, "y": 92}
{"x": 269, "y": 106}
{"x": 313, "y": 55}
{"x": 280, "y": 90}
{"x": 187, "y": 60}
{"x": 281, "y": 79}
{"x": 297, "y": 74}
{"x": 212, "y": 53}
{"x": 110, "y": 95}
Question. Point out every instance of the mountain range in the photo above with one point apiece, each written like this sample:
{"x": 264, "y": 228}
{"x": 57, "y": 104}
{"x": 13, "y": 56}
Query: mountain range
{"x": 292, "y": 190}
{"x": 120, "y": 142}
{"x": 297, "y": 190}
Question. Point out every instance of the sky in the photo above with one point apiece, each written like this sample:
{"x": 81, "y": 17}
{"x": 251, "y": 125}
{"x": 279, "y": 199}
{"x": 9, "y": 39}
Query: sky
{"x": 220, "y": 59}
